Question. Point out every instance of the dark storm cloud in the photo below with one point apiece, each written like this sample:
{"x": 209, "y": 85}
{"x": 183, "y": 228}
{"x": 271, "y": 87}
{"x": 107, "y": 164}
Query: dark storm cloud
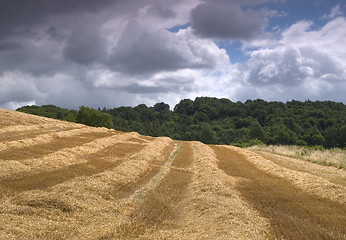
{"x": 33, "y": 34}
{"x": 9, "y": 46}
{"x": 162, "y": 10}
{"x": 85, "y": 46}
{"x": 137, "y": 53}
{"x": 136, "y": 88}
{"x": 17, "y": 15}
{"x": 54, "y": 34}
{"x": 49, "y": 48}
{"x": 33, "y": 56}
{"x": 18, "y": 56}
{"x": 224, "y": 19}
{"x": 142, "y": 51}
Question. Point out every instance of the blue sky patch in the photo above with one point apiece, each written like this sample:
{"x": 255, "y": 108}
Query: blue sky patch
{"x": 234, "y": 51}
{"x": 178, "y": 27}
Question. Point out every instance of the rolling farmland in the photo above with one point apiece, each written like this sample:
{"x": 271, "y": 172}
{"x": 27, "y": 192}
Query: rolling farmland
{"x": 61, "y": 180}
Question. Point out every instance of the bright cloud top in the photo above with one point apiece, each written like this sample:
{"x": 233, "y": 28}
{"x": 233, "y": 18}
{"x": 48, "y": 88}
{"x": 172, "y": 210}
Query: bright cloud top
{"x": 112, "y": 53}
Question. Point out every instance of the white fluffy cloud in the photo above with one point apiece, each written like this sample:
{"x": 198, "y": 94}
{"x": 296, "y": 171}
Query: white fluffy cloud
{"x": 306, "y": 63}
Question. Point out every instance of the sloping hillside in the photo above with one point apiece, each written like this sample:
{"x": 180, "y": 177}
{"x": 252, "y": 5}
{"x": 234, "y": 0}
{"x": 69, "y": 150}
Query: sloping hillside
{"x": 61, "y": 180}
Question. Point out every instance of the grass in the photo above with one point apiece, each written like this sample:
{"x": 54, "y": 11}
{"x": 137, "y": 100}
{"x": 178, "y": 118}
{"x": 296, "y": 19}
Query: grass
{"x": 327, "y": 157}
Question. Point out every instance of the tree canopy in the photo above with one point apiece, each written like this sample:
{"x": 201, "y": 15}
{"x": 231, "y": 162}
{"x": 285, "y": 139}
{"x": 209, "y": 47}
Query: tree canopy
{"x": 94, "y": 118}
{"x": 221, "y": 121}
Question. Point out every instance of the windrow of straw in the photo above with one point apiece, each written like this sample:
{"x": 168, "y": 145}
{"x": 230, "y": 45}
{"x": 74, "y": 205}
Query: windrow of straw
{"x": 312, "y": 184}
{"x": 46, "y": 138}
{"x": 63, "y": 157}
{"x": 82, "y": 207}
{"x": 214, "y": 208}
{"x": 36, "y": 128}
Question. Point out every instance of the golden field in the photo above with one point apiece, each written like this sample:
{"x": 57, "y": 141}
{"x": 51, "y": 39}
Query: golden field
{"x": 61, "y": 180}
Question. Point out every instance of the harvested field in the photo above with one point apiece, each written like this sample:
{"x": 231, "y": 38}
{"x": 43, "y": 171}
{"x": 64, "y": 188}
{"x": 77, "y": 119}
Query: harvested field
{"x": 61, "y": 180}
{"x": 288, "y": 207}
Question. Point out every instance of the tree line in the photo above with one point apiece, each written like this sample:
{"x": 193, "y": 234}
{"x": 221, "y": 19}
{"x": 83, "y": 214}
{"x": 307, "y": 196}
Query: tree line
{"x": 220, "y": 121}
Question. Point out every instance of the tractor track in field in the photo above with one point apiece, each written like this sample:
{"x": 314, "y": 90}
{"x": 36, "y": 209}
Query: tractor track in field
{"x": 127, "y": 189}
{"x": 159, "y": 206}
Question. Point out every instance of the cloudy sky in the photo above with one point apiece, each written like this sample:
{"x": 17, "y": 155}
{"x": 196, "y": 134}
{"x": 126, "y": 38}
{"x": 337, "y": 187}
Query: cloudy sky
{"x": 126, "y": 52}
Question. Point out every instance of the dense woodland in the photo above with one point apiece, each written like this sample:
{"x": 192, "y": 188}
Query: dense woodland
{"x": 220, "y": 121}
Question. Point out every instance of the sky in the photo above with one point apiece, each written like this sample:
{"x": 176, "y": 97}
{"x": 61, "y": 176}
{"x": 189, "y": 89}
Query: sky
{"x": 111, "y": 53}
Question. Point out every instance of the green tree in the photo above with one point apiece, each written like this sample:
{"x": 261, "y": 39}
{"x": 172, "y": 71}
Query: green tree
{"x": 279, "y": 134}
{"x": 161, "y": 107}
{"x": 50, "y": 111}
{"x": 256, "y": 131}
{"x": 341, "y": 136}
{"x": 185, "y": 107}
{"x": 207, "y": 135}
{"x": 94, "y": 118}
{"x": 71, "y": 116}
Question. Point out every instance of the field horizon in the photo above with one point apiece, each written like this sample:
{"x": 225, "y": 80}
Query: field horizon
{"x": 63, "y": 180}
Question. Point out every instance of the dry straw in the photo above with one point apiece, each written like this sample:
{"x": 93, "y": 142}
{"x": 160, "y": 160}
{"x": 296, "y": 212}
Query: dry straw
{"x": 94, "y": 183}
